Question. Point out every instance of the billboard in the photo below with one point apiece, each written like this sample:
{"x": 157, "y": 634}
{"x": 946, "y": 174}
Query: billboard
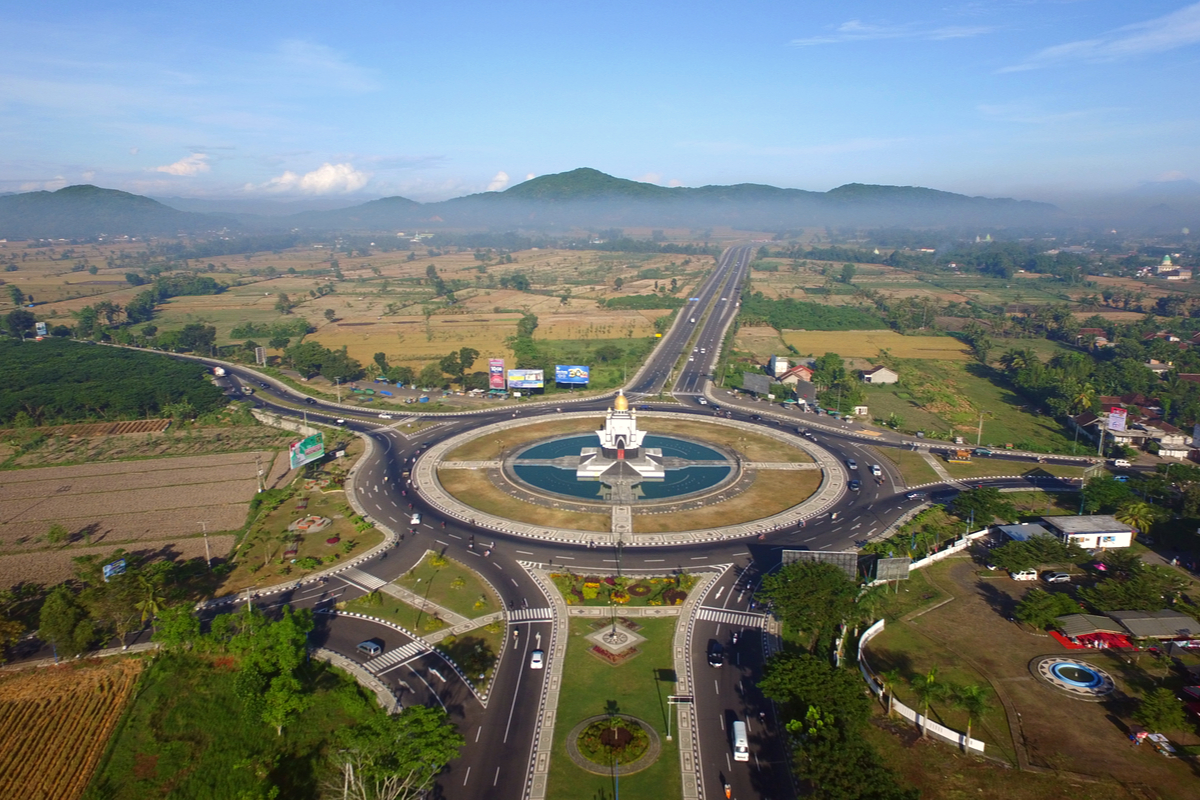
{"x": 845, "y": 560}
{"x": 306, "y": 450}
{"x": 570, "y": 374}
{"x": 40, "y": 328}
{"x": 526, "y": 378}
{"x": 496, "y": 373}
{"x": 1116, "y": 419}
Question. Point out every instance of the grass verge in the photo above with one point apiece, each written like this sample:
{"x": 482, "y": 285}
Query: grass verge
{"x": 451, "y": 585}
{"x": 474, "y": 489}
{"x": 771, "y": 492}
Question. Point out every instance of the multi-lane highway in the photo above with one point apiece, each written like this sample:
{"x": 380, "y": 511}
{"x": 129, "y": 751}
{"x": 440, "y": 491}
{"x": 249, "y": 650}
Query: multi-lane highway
{"x": 497, "y": 760}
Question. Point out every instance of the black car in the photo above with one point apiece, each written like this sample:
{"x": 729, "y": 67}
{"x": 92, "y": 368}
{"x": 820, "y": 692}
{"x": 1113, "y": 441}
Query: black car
{"x": 264, "y": 384}
{"x": 310, "y": 401}
{"x": 855, "y": 486}
{"x": 756, "y": 417}
{"x": 716, "y": 654}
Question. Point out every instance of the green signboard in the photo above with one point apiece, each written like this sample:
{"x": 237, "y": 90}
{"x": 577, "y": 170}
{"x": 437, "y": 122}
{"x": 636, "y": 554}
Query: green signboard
{"x": 307, "y": 450}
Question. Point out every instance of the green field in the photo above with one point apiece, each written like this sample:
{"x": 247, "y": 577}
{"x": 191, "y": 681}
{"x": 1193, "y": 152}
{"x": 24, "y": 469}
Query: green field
{"x": 590, "y": 686}
{"x": 451, "y": 585}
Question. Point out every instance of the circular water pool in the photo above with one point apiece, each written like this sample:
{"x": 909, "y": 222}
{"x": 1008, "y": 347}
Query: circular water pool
{"x": 1078, "y": 678}
{"x": 1077, "y": 675}
{"x": 678, "y": 481}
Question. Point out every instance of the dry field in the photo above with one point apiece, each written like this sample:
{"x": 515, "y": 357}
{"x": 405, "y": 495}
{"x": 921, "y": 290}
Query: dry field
{"x": 72, "y": 448}
{"x": 49, "y": 567}
{"x": 55, "y": 724}
{"x": 151, "y": 503}
{"x": 867, "y": 344}
{"x": 101, "y": 428}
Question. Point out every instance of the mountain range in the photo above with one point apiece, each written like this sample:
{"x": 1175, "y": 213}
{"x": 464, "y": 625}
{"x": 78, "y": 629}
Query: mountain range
{"x": 581, "y": 198}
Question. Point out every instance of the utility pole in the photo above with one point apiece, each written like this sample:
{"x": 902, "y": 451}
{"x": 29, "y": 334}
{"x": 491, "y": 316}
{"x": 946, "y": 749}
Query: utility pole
{"x": 258, "y": 464}
{"x": 979, "y": 434}
{"x": 338, "y": 382}
{"x": 207, "y": 554}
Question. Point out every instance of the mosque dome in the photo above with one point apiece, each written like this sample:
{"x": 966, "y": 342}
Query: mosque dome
{"x": 621, "y": 403}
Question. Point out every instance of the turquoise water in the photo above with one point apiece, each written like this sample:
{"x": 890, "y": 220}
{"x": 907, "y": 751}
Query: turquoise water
{"x": 671, "y": 447}
{"x": 676, "y": 483}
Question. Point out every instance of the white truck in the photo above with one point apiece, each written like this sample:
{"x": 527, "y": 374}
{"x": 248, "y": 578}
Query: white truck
{"x": 219, "y": 372}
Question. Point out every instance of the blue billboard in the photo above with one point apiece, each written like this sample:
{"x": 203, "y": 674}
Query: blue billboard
{"x": 570, "y": 374}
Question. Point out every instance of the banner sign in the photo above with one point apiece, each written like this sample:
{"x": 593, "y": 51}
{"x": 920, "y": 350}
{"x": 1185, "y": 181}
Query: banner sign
{"x": 1116, "y": 419}
{"x": 40, "y": 328}
{"x": 306, "y": 450}
{"x": 570, "y": 374}
{"x": 496, "y": 373}
{"x": 114, "y": 569}
{"x": 1196, "y": 435}
{"x": 526, "y": 378}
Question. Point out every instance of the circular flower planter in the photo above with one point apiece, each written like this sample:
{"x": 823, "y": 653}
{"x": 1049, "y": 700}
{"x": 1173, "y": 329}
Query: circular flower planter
{"x": 594, "y": 736}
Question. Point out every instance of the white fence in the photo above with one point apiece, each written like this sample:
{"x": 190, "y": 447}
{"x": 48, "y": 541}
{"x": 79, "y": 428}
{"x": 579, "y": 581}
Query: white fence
{"x": 876, "y": 686}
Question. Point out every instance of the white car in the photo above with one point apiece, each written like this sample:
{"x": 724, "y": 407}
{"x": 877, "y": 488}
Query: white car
{"x": 691, "y": 358}
{"x": 385, "y": 416}
{"x": 701, "y": 401}
{"x": 416, "y": 520}
{"x": 537, "y": 659}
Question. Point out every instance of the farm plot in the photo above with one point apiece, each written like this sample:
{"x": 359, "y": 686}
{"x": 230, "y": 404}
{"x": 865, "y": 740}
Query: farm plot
{"x": 867, "y": 344}
{"x": 140, "y": 501}
{"x": 55, "y": 724}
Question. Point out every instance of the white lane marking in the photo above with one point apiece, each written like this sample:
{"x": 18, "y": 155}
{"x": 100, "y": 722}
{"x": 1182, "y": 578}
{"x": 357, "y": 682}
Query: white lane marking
{"x": 497, "y": 778}
{"x": 568, "y": 558}
{"x": 716, "y": 686}
{"x": 654, "y": 560}
{"x": 722, "y": 718}
{"x": 439, "y": 541}
{"x": 525, "y": 552}
{"x": 699, "y": 558}
{"x": 719, "y": 593}
{"x": 452, "y": 536}
{"x": 478, "y": 731}
{"x": 467, "y": 777}
{"x": 514, "y": 580}
{"x": 497, "y": 566}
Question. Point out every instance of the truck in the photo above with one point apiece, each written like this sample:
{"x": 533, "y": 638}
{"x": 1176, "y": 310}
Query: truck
{"x": 219, "y": 372}
{"x": 959, "y": 457}
{"x": 693, "y": 320}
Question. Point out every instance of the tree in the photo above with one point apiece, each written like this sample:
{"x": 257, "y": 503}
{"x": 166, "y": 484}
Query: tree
{"x": 283, "y": 304}
{"x": 1161, "y": 710}
{"x": 431, "y": 375}
{"x": 972, "y": 699}
{"x": 279, "y": 342}
{"x": 1139, "y": 515}
{"x": 57, "y": 534}
{"x": 618, "y": 283}
{"x": 982, "y": 504}
{"x": 1104, "y": 494}
{"x": 177, "y": 627}
{"x": 928, "y": 688}
{"x": 394, "y": 757}
{"x": 19, "y": 322}
{"x": 811, "y": 597}
{"x": 381, "y": 361}
{"x": 848, "y": 271}
{"x": 1040, "y": 608}
{"x": 330, "y": 314}
{"x": 18, "y": 296}
{"x": 65, "y": 623}
{"x": 808, "y": 680}
{"x": 839, "y": 764}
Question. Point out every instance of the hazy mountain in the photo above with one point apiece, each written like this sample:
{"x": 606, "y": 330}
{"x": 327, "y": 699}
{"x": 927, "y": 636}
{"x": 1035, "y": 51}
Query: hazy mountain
{"x": 583, "y": 198}
{"x": 255, "y": 206}
{"x": 79, "y": 212}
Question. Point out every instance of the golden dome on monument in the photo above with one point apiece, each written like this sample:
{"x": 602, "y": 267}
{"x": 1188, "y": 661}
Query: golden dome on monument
{"x": 620, "y": 404}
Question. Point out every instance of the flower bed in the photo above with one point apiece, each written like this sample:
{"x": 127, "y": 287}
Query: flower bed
{"x": 616, "y": 659}
{"x": 617, "y": 739}
{"x": 593, "y": 590}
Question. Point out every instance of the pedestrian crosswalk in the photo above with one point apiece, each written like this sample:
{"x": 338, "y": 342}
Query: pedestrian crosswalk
{"x": 531, "y": 615}
{"x": 393, "y": 657}
{"x": 363, "y": 579}
{"x": 724, "y": 616}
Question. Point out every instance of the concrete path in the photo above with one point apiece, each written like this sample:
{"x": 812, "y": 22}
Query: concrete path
{"x": 938, "y": 468}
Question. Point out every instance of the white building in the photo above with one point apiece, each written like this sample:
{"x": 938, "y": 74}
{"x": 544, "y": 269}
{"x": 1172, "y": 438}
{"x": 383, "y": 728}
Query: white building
{"x": 620, "y": 452}
{"x": 1091, "y": 531}
{"x": 880, "y": 375}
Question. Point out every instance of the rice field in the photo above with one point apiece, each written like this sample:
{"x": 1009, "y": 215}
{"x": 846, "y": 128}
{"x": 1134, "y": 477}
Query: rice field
{"x": 55, "y": 724}
{"x": 867, "y": 344}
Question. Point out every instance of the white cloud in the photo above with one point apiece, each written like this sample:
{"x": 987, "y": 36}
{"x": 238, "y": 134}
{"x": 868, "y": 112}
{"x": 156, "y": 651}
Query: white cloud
{"x": 650, "y": 177}
{"x": 87, "y": 176}
{"x": 859, "y": 31}
{"x": 530, "y": 176}
{"x": 133, "y": 151}
{"x": 1177, "y": 29}
{"x": 674, "y": 183}
{"x": 189, "y": 166}
{"x": 54, "y": 184}
{"x": 326, "y": 179}
{"x": 1173, "y": 175}
{"x": 322, "y": 65}
{"x": 498, "y": 182}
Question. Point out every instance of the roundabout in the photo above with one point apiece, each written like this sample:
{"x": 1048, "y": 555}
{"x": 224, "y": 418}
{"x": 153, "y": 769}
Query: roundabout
{"x": 682, "y": 479}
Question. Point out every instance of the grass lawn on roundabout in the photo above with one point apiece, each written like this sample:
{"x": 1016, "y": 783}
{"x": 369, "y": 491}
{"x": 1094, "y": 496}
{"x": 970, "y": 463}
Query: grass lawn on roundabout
{"x": 589, "y": 684}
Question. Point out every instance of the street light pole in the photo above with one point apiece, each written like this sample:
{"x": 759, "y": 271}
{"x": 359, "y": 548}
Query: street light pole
{"x": 207, "y": 554}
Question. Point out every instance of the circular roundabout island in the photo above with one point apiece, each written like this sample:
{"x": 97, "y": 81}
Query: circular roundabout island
{"x": 654, "y": 478}
{"x": 613, "y": 743}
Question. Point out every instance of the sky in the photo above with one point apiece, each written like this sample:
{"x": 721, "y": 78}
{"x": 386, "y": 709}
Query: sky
{"x": 327, "y": 101}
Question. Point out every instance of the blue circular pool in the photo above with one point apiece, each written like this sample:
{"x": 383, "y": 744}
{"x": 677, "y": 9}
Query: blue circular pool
{"x": 678, "y": 481}
{"x": 1077, "y": 674}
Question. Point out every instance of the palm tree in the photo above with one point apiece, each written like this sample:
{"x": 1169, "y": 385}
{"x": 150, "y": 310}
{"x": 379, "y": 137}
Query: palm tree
{"x": 1139, "y": 515}
{"x": 1082, "y": 397}
{"x": 152, "y": 598}
{"x": 888, "y": 679}
{"x": 927, "y": 688}
{"x": 971, "y": 698}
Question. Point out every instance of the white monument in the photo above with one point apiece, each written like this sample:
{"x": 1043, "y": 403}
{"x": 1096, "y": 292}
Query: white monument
{"x": 620, "y": 454}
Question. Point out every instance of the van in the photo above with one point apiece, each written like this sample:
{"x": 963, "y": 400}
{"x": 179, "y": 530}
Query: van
{"x": 741, "y": 747}
{"x": 416, "y": 520}
{"x": 876, "y": 470}
{"x": 1024, "y": 575}
{"x": 1121, "y": 462}
{"x": 371, "y": 647}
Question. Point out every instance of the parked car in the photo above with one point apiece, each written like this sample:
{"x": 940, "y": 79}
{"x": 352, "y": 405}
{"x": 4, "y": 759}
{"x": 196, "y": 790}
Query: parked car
{"x": 1024, "y": 575}
{"x": 1056, "y": 577}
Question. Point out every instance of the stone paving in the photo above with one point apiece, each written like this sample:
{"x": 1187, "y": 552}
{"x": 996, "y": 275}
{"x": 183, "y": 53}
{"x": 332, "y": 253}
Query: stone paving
{"x": 833, "y": 486}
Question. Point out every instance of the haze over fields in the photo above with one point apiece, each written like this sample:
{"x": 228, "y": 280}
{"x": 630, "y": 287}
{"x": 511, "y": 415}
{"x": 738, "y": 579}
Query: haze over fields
{"x": 280, "y": 110}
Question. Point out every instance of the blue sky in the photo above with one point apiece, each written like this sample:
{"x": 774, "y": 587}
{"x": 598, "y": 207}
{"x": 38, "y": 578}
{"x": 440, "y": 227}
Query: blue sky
{"x": 1029, "y": 98}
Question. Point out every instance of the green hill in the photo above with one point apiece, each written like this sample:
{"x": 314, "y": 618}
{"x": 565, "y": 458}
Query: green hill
{"x": 78, "y": 212}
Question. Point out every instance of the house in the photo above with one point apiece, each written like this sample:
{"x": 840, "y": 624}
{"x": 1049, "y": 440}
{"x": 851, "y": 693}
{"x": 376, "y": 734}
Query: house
{"x": 880, "y": 375}
{"x": 777, "y": 366}
{"x": 1090, "y": 531}
{"x": 1023, "y": 532}
{"x": 1159, "y": 368}
{"x": 797, "y": 374}
{"x": 1157, "y": 624}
